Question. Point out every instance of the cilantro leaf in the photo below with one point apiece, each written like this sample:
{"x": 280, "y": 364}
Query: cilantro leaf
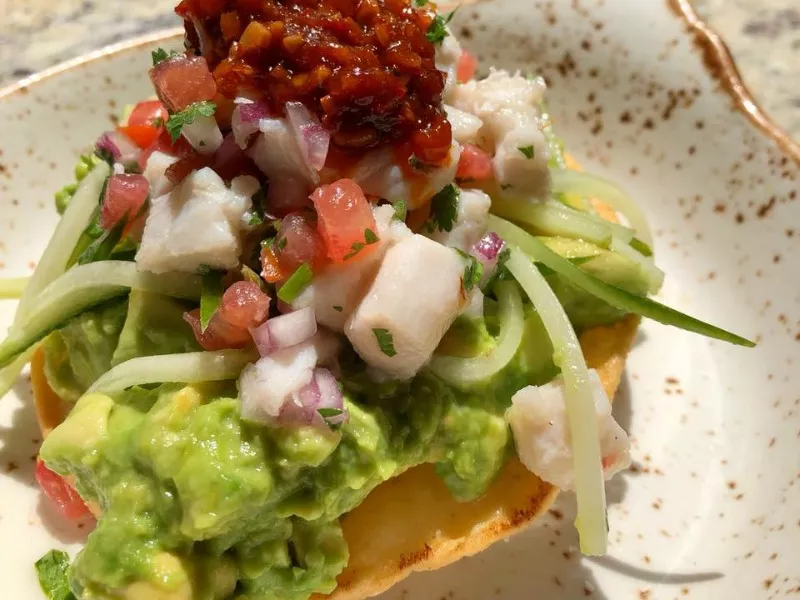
{"x": 51, "y": 570}
{"x": 527, "y": 151}
{"x": 400, "y": 210}
{"x": 187, "y": 116}
{"x": 473, "y": 272}
{"x": 444, "y": 209}
{"x": 385, "y": 341}
{"x": 211, "y": 291}
{"x": 437, "y": 30}
{"x": 160, "y": 55}
{"x": 330, "y": 413}
{"x": 296, "y": 284}
{"x": 420, "y": 3}
{"x": 253, "y": 218}
{"x": 371, "y": 237}
{"x": 338, "y": 308}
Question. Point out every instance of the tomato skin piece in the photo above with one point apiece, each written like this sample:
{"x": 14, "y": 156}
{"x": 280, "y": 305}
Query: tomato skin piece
{"x": 219, "y": 335}
{"x": 474, "y": 164}
{"x": 142, "y": 135}
{"x": 466, "y": 67}
{"x": 344, "y": 216}
{"x": 298, "y": 242}
{"x": 270, "y": 266}
{"x": 63, "y": 496}
{"x": 148, "y": 113}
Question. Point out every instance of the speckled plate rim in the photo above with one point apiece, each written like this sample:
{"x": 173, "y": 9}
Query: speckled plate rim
{"x": 715, "y": 55}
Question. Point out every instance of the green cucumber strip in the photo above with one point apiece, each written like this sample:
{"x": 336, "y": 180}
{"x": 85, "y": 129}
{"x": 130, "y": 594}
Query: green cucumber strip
{"x": 605, "y": 291}
{"x": 85, "y": 286}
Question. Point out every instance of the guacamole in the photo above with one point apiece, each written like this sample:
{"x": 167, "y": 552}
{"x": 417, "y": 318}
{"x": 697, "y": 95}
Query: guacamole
{"x": 193, "y": 497}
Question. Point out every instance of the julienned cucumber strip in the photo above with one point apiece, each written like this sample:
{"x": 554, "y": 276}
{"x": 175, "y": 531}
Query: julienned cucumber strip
{"x": 54, "y": 259}
{"x": 609, "y": 293}
{"x": 83, "y": 287}
{"x": 579, "y": 401}
{"x": 192, "y": 367}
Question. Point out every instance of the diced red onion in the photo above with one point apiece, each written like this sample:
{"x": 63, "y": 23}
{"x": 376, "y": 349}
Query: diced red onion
{"x": 322, "y": 393}
{"x": 489, "y": 246}
{"x": 262, "y": 338}
{"x": 203, "y": 134}
{"x": 125, "y": 197}
{"x": 244, "y": 121}
{"x": 292, "y": 328}
{"x": 121, "y": 149}
{"x": 231, "y": 162}
{"x": 206, "y": 43}
{"x": 311, "y": 136}
{"x": 487, "y": 250}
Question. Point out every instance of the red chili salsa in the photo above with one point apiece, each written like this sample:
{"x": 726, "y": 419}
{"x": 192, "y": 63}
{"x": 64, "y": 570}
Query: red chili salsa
{"x": 365, "y": 66}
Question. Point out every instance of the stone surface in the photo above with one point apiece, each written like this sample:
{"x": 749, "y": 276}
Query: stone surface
{"x": 763, "y": 35}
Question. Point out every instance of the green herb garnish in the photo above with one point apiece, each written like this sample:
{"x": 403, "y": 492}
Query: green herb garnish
{"x": 187, "y": 116}
{"x": 51, "y": 570}
{"x": 160, "y": 55}
{"x": 338, "y": 308}
{"x": 473, "y": 272}
{"x": 296, "y": 284}
{"x": 400, "y": 210}
{"x": 444, "y": 209}
{"x": 437, "y": 30}
{"x": 330, "y": 413}
{"x": 370, "y": 237}
{"x": 527, "y": 151}
{"x": 385, "y": 341}
{"x": 420, "y": 3}
{"x": 210, "y": 296}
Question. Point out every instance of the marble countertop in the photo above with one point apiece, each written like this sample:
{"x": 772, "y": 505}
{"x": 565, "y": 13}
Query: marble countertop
{"x": 763, "y": 35}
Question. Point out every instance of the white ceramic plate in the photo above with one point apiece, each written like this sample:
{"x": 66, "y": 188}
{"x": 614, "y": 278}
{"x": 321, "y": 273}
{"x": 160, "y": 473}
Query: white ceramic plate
{"x": 646, "y": 96}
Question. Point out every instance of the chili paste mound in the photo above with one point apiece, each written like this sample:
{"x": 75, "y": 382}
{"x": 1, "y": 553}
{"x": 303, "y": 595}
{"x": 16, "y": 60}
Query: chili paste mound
{"x": 366, "y": 67}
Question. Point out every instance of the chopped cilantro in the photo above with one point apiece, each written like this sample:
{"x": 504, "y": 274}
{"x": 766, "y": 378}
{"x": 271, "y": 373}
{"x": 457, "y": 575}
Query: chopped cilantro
{"x": 187, "y": 116}
{"x": 444, "y": 209}
{"x": 437, "y": 30}
{"x": 473, "y": 272}
{"x": 385, "y": 341}
{"x": 499, "y": 270}
{"x": 329, "y": 413}
{"x": 254, "y": 219}
{"x": 527, "y": 151}
{"x": 400, "y": 210}
{"x": 296, "y": 284}
{"x": 415, "y": 163}
{"x": 211, "y": 291}
{"x": 51, "y": 570}
{"x": 420, "y": 3}
{"x": 338, "y": 308}
{"x": 160, "y": 55}
{"x": 281, "y": 243}
{"x": 158, "y": 122}
{"x": 371, "y": 237}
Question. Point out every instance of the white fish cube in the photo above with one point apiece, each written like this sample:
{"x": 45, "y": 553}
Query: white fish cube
{"x": 466, "y": 126}
{"x": 156, "y": 173}
{"x": 197, "y": 223}
{"x": 539, "y": 422}
{"x": 265, "y": 385}
{"x": 416, "y": 296}
{"x": 472, "y": 221}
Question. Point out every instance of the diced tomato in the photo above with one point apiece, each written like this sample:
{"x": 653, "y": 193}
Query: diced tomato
{"x": 219, "y": 335}
{"x": 244, "y": 305}
{"x": 270, "y": 266}
{"x": 142, "y": 135}
{"x": 287, "y": 195}
{"x": 125, "y": 196}
{"x": 474, "y": 164}
{"x": 344, "y": 219}
{"x": 183, "y": 80}
{"x": 150, "y": 112}
{"x": 180, "y": 170}
{"x": 466, "y": 67}
{"x": 298, "y": 242}
{"x": 59, "y": 492}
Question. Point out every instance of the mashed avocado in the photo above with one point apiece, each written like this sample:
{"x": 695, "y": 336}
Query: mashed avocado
{"x": 198, "y": 503}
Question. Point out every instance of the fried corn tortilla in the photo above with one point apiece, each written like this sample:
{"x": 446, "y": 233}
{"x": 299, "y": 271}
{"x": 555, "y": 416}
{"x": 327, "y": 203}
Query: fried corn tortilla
{"x": 412, "y": 522}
